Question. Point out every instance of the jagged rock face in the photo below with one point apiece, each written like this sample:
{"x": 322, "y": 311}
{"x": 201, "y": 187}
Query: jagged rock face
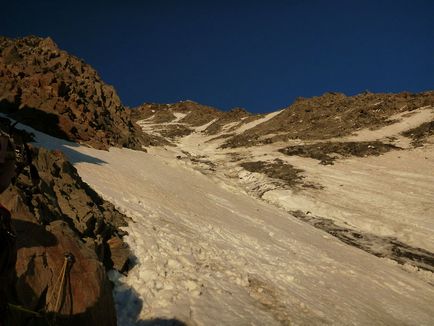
{"x": 52, "y": 190}
{"x": 54, "y": 212}
{"x": 61, "y": 95}
{"x": 331, "y": 115}
{"x": 120, "y": 253}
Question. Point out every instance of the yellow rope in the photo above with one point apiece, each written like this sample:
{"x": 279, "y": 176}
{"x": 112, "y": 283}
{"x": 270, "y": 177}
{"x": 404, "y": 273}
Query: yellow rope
{"x": 67, "y": 264}
{"x": 61, "y": 283}
{"x": 62, "y": 272}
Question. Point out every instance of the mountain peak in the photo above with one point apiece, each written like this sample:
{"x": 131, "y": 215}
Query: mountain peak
{"x": 61, "y": 95}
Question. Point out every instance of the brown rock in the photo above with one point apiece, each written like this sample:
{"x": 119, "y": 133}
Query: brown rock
{"x": 331, "y": 115}
{"x": 85, "y": 297}
{"x": 39, "y": 81}
{"x": 53, "y": 210}
{"x": 120, "y": 253}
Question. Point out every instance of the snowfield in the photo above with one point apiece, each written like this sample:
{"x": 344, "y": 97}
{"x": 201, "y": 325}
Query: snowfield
{"x": 210, "y": 254}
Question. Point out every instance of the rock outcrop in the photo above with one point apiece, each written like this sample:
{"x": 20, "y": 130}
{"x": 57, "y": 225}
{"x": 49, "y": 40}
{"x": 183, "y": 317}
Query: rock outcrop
{"x": 61, "y": 95}
{"x": 192, "y": 113}
{"x": 172, "y": 121}
{"x": 331, "y": 115}
{"x": 55, "y": 213}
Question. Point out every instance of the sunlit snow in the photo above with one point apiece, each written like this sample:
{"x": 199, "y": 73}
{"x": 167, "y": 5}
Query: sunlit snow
{"x": 209, "y": 254}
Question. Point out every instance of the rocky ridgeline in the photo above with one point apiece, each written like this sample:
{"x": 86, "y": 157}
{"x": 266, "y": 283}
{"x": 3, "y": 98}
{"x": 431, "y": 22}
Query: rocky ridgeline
{"x": 234, "y": 118}
{"x": 54, "y": 212}
{"x": 191, "y": 115}
{"x": 194, "y": 114}
{"x": 62, "y": 96}
{"x": 331, "y": 115}
{"x": 324, "y": 117}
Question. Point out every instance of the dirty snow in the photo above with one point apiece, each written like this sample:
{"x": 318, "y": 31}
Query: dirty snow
{"x": 389, "y": 195}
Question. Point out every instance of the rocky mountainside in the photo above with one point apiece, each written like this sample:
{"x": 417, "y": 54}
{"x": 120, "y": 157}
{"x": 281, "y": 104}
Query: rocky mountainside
{"x": 180, "y": 119}
{"x": 61, "y": 95}
{"x": 325, "y": 117}
{"x": 328, "y": 200}
{"x": 331, "y": 115}
{"x": 55, "y": 213}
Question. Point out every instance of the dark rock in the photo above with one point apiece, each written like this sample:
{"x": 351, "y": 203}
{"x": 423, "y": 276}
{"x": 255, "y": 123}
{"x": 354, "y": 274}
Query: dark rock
{"x": 420, "y": 134}
{"x": 327, "y": 152}
{"x": 8, "y": 257}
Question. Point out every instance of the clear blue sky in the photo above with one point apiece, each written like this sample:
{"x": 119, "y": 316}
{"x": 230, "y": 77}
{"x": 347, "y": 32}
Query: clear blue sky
{"x": 259, "y": 55}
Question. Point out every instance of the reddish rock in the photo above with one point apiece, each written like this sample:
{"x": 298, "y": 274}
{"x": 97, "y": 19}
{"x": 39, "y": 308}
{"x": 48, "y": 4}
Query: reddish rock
{"x": 61, "y": 95}
{"x": 120, "y": 253}
{"x": 53, "y": 211}
{"x": 85, "y": 297}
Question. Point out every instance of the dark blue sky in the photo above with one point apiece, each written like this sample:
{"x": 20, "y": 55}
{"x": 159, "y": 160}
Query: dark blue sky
{"x": 259, "y": 55}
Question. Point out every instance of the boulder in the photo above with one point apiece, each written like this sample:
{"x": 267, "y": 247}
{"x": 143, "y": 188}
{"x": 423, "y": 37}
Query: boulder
{"x": 80, "y": 294}
{"x": 119, "y": 253}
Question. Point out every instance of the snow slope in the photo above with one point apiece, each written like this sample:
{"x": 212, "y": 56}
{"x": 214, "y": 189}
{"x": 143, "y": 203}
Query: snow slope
{"x": 210, "y": 254}
{"x": 389, "y": 195}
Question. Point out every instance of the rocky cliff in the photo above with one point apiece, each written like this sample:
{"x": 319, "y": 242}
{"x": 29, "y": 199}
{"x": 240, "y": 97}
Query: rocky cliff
{"x": 55, "y": 216}
{"x": 61, "y": 95}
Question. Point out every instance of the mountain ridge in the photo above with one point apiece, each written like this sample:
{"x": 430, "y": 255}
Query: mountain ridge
{"x": 241, "y": 207}
{"x": 41, "y": 81}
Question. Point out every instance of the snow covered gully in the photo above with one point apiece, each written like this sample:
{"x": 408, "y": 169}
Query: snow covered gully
{"x": 209, "y": 254}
